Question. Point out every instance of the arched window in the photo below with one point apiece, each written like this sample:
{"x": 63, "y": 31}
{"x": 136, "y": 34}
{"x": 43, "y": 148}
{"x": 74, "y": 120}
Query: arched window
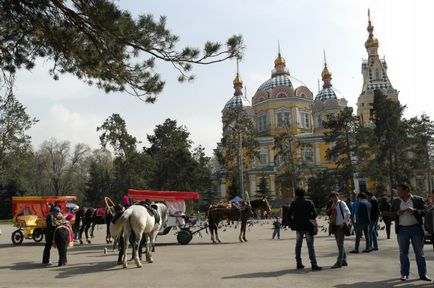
{"x": 377, "y": 74}
{"x": 261, "y": 122}
{"x": 283, "y": 118}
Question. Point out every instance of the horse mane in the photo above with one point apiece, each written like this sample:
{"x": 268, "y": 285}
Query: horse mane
{"x": 116, "y": 228}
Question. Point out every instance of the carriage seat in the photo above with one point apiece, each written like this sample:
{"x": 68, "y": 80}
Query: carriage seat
{"x": 100, "y": 212}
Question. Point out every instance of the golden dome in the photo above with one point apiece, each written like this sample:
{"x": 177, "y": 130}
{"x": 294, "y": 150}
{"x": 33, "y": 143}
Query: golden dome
{"x": 371, "y": 42}
{"x": 237, "y": 81}
{"x": 279, "y": 61}
{"x": 326, "y": 73}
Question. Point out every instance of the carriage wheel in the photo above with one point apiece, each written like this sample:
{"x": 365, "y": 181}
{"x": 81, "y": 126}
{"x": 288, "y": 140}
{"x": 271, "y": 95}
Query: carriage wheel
{"x": 184, "y": 237}
{"x": 17, "y": 237}
{"x": 38, "y": 235}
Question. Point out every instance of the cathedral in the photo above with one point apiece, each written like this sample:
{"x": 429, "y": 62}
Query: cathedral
{"x": 283, "y": 105}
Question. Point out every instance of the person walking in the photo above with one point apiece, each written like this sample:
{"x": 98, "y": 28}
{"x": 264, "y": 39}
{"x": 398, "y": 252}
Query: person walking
{"x": 341, "y": 214}
{"x": 300, "y": 213}
{"x": 363, "y": 220}
{"x": 276, "y": 228}
{"x": 385, "y": 207}
{"x": 375, "y": 214}
{"x": 49, "y": 234}
{"x": 409, "y": 210}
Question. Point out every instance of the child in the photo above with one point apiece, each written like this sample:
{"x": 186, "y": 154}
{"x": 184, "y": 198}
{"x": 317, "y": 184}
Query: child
{"x": 276, "y": 225}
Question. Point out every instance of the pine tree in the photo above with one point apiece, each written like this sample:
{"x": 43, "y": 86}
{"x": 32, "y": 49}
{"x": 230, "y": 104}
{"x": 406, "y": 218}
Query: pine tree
{"x": 99, "y": 44}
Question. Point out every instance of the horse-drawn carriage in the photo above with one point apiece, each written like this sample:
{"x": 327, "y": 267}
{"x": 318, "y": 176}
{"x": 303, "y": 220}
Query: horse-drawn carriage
{"x": 175, "y": 202}
{"x": 30, "y": 213}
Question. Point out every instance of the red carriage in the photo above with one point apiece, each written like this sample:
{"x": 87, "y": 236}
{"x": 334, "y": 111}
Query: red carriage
{"x": 175, "y": 202}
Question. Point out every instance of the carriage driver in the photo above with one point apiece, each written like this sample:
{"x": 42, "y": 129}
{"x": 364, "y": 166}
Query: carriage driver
{"x": 49, "y": 233}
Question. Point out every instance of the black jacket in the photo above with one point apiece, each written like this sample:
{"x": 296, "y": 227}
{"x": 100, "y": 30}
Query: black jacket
{"x": 418, "y": 204}
{"x": 299, "y": 214}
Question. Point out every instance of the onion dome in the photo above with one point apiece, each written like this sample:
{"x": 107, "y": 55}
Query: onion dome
{"x": 328, "y": 92}
{"x": 372, "y": 41}
{"x": 279, "y": 61}
{"x": 238, "y": 100}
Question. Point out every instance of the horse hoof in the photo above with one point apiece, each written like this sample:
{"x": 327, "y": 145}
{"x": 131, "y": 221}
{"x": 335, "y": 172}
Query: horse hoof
{"x": 149, "y": 260}
{"x": 81, "y": 241}
{"x": 89, "y": 242}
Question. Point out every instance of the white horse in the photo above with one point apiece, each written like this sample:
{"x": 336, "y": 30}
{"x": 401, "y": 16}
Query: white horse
{"x": 138, "y": 221}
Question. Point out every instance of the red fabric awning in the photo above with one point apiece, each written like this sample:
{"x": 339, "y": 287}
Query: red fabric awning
{"x": 153, "y": 195}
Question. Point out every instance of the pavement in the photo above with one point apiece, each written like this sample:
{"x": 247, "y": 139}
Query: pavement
{"x": 260, "y": 262}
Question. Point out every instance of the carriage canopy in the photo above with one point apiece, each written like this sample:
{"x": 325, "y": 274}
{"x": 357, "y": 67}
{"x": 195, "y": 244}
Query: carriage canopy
{"x": 38, "y": 205}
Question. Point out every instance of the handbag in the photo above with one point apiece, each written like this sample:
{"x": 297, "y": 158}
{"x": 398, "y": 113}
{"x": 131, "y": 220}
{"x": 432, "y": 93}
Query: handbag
{"x": 347, "y": 226}
{"x": 314, "y": 226}
{"x": 347, "y": 229}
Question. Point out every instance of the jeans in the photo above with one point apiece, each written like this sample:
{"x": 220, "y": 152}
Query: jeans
{"x": 276, "y": 232}
{"x": 310, "y": 247}
{"x": 373, "y": 234}
{"x": 365, "y": 229}
{"x": 339, "y": 237}
{"x": 415, "y": 235}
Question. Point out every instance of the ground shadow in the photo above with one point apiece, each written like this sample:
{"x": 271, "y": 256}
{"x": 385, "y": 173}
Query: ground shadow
{"x": 386, "y": 284}
{"x": 261, "y": 274}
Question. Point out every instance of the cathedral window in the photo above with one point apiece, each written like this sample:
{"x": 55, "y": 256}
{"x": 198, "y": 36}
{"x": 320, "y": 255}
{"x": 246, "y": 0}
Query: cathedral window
{"x": 319, "y": 120}
{"x": 377, "y": 74}
{"x": 308, "y": 153}
{"x": 283, "y": 118}
{"x": 263, "y": 158}
{"x": 261, "y": 122}
{"x": 305, "y": 119}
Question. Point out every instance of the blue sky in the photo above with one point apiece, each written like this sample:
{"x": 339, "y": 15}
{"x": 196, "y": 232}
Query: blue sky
{"x": 71, "y": 110}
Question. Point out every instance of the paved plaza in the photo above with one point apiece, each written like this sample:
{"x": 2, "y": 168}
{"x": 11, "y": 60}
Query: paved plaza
{"x": 261, "y": 262}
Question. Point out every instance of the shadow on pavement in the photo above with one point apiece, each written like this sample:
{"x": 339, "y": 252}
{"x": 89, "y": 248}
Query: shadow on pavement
{"x": 386, "y": 284}
{"x": 261, "y": 274}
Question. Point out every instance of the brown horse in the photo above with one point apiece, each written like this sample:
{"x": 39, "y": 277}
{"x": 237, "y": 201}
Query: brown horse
{"x": 235, "y": 213}
{"x": 89, "y": 219}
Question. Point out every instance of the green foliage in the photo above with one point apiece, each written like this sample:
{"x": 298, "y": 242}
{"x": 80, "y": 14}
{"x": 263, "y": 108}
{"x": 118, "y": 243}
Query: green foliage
{"x": 263, "y": 187}
{"x": 393, "y": 143}
{"x": 114, "y": 132}
{"x": 320, "y": 186}
{"x": 341, "y": 135}
{"x": 100, "y": 44}
{"x": 175, "y": 167}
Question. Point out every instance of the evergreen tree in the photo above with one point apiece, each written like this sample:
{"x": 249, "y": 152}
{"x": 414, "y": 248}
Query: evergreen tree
{"x": 263, "y": 190}
{"x": 173, "y": 163}
{"x": 100, "y": 44}
{"x": 391, "y": 136}
{"x": 341, "y": 135}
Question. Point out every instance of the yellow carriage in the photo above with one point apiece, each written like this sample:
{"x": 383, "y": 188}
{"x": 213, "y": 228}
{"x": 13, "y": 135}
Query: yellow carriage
{"x": 30, "y": 213}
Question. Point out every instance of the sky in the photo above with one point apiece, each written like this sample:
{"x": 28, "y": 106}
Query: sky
{"x": 70, "y": 110}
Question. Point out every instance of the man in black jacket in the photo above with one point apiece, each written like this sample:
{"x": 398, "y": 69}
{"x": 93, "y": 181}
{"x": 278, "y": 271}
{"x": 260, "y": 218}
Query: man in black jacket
{"x": 49, "y": 234}
{"x": 409, "y": 211}
{"x": 300, "y": 213}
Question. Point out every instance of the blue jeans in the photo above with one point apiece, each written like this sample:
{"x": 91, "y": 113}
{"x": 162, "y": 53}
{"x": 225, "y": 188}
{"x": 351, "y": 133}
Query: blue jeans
{"x": 310, "y": 248}
{"x": 415, "y": 235}
{"x": 359, "y": 229}
{"x": 339, "y": 237}
{"x": 373, "y": 234}
{"x": 276, "y": 232}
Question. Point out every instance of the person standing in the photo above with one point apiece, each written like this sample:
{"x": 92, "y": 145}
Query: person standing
{"x": 276, "y": 228}
{"x": 385, "y": 208}
{"x": 375, "y": 213}
{"x": 363, "y": 220}
{"x": 343, "y": 214}
{"x": 409, "y": 210}
{"x": 429, "y": 217}
{"x": 49, "y": 234}
{"x": 300, "y": 213}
